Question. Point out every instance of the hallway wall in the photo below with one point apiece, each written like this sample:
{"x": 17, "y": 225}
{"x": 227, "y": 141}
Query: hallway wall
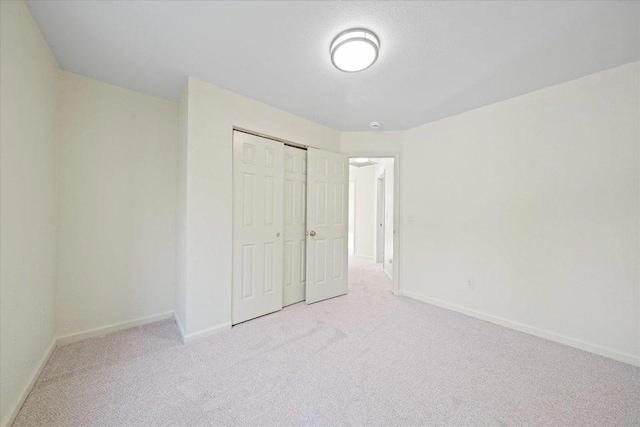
{"x": 364, "y": 179}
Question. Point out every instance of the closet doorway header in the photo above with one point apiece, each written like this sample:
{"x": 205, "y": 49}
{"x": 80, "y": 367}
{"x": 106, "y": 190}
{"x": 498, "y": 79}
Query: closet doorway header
{"x": 273, "y": 138}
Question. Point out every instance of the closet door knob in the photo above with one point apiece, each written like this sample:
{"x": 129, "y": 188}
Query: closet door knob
{"x": 278, "y": 234}
{"x": 312, "y": 233}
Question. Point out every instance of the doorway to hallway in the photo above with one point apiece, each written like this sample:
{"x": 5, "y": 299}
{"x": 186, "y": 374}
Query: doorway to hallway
{"x": 371, "y": 211}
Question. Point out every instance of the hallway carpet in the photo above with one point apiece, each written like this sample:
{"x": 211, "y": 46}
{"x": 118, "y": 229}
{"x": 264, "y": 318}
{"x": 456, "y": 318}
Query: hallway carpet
{"x": 368, "y": 358}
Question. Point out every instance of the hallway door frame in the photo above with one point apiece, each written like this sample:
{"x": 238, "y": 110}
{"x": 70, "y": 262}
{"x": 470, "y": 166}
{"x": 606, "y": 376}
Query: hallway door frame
{"x": 397, "y": 208}
{"x": 380, "y": 219}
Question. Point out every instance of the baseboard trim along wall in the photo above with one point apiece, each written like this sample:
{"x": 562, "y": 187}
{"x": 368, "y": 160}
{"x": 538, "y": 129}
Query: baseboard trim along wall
{"x": 531, "y": 330}
{"x": 196, "y": 336}
{"x": 71, "y": 338}
{"x": 32, "y": 381}
{"x": 180, "y": 327}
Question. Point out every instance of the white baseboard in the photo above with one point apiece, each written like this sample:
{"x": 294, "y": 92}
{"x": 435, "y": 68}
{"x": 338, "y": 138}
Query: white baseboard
{"x": 196, "y": 336}
{"x": 180, "y": 327}
{"x": 531, "y": 330}
{"x": 13, "y": 412}
{"x": 79, "y": 336}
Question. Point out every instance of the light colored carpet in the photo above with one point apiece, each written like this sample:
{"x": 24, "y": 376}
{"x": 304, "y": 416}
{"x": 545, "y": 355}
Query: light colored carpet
{"x": 367, "y": 358}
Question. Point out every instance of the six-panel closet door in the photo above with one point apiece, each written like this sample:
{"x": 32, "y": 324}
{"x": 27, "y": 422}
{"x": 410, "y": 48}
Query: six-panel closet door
{"x": 295, "y": 224}
{"x": 327, "y": 225}
{"x": 257, "y": 226}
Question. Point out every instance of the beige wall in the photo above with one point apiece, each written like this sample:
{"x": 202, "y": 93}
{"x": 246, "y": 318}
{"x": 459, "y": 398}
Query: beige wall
{"x": 28, "y": 82}
{"x": 212, "y": 114}
{"x": 117, "y": 159}
{"x": 537, "y": 200}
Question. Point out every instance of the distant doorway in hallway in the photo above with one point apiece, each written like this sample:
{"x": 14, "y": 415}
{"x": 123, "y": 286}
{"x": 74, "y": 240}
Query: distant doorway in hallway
{"x": 371, "y": 210}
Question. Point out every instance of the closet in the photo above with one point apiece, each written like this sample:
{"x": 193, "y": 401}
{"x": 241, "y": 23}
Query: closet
{"x": 289, "y": 225}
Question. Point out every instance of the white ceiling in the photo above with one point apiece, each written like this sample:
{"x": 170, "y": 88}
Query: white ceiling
{"x": 436, "y": 59}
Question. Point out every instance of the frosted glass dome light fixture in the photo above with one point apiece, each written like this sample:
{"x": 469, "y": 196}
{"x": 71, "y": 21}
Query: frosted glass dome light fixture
{"x": 361, "y": 160}
{"x": 354, "y": 50}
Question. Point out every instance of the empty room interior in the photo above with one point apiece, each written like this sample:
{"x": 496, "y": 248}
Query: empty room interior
{"x": 291, "y": 213}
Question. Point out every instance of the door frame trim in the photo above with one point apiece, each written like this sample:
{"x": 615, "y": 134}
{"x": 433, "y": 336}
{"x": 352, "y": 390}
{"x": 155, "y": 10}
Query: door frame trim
{"x": 397, "y": 208}
{"x": 273, "y": 138}
{"x": 380, "y": 188}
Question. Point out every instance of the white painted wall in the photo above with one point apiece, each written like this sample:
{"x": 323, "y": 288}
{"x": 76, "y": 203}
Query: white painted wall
{"x": 364, "y": 179}
{"x": 28, "y": 93}
{"x": 385, "y": 165}
{"x": 117, "y": 159}
{"x": 212, "y": 113}
{"x": 537, "y": 200}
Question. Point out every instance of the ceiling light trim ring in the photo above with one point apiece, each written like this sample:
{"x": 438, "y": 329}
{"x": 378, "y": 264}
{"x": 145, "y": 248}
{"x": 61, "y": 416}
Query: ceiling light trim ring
{"x": 359, "y": 34}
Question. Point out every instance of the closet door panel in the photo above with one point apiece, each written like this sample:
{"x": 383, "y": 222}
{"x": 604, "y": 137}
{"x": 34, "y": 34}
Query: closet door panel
{"x": 258, "y": 217}
{"x": 327, "y": 210}
{"x": 295, "y": 182}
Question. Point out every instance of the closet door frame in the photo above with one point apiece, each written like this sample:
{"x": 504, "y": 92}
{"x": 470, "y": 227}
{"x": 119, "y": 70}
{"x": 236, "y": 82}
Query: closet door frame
{"x": 397, "y": 194}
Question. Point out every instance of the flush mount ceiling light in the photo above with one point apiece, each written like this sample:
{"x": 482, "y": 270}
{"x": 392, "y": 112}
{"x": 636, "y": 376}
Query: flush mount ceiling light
{"x": 361, "y": 160}
{"x": 354, "y": 50}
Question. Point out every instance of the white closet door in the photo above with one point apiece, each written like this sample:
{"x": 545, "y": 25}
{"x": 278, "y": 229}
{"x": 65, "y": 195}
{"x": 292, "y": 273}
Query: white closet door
{"x": 327, "y": 225}
{"x": 295, "y": 224}
{"x": 257, "y": 226}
